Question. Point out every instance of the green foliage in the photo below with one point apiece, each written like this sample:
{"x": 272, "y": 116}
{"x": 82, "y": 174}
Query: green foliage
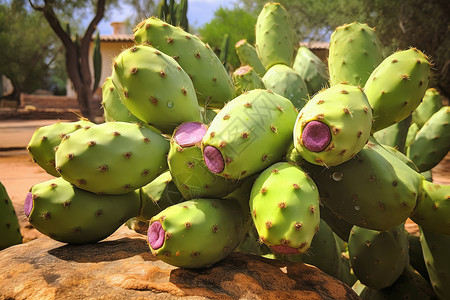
{"x": 173, "y": 13}
{"x": 236, "y": 22}
{"x": 30, "y": 50}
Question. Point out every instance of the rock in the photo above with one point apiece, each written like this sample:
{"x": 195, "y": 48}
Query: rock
{"x": 122, "y": 267}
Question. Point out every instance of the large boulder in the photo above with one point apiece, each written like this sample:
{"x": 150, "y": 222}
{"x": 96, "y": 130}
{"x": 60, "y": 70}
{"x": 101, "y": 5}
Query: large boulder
{"x": 122, "y": 267}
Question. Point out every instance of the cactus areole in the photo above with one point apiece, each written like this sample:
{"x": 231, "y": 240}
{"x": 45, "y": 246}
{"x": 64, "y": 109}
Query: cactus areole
{"x": 213, "y": 159}
{"x": 156, "y": 235}
{"x": 190, "y": 133}
{"x": 316, "y": 136}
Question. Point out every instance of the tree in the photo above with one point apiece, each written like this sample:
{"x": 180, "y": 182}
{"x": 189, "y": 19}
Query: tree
{"x": 236, "y": 22}
{"x": 423, "y": 24}
{"x": 30, "y": 49}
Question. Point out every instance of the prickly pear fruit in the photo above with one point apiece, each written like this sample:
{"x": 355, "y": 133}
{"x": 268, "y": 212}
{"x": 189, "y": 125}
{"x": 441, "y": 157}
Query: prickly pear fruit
{"x": 355, "y": 51}
{"x": 196, "y": 233}
{"x": 284, "y": 81}
{"x": 431, "y": 103}
{"x": 46, "y": 139}
{"x": 378, "y": 258}
{"x": 275, "y": 37}
{"x": 251, "y": 132}
{"x": 189, "y": 172}
{"x": 284, "y": 203}
{"x": 209, "y": 77}
{"x": 435, "y": 252}
{"x": 432, "y": 142}
{"x": 374, "y": 190}
{"x": 410, "y": 285}
{"x": 112, "y": 158}
{"x": 154, "y": 88}
{"x": 432, "y": 210}
{"x": 68, "y": 214}
{"x": 311, "y": 69}
{"x": 158, "y": 195}
{"x": 333, "y": 126}
{"x": 245, "y": 79}
{"x": 9, "y": 224}
{"x": 247, "y": 56}
{"x": 396, "y": 87}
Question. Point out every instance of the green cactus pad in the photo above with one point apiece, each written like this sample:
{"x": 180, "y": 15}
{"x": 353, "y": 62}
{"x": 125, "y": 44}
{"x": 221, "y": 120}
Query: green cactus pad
{"x": 247, "y": 56}
{"x": 395, "y": 135}
{"x": 196, "y": 233}
{"x": 189, "y": 172}
{"x": 431, "y": 103}
{"x": 209, "y": 77}
{"x": 435, "y": 252}
{"x": 311, "y": 69}
{"x": 112, "y": 158}
{"x": 9, "y": 224}
{"x": 396, "y": 87}
{"x": 374, "y": 190}
{"x": 410, "y": 285}
{"x": 251, "y": 132}
{"x": 70, "y": 215}
{"x": 432, "y": 142}
{"x": 285, "y": 82}
{"x": 432, "y": 211}
{"x": 355, "y": 51}
{"x": 275, "y": 37}
{"x": 378, "y": 258}
{"x": 246, "y": 79}
{"x": 158, "y": 195}
{"x": 333, "y": 126}
{"x": 154, "y": 88}
{"x": 285, "y": 208}
{"x": 46, "y": 139}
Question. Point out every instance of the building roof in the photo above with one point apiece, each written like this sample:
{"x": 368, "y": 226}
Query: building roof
{"x": 117, "y": 38}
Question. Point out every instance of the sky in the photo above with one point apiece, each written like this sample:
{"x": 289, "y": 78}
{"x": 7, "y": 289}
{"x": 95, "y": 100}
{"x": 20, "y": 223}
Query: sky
{"x": 199, "y": 13}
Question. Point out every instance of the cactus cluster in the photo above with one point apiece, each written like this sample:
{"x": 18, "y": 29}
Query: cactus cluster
{"x": 291, "y": 164}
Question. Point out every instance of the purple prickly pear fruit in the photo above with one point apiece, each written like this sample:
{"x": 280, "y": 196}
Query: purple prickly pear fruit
{"x": 190, "y": 134}
{"x": 28, "y": 206}
{"x": 156, "y": 235}
{"x": 316, "y": 136}
{"x": 213, "y": 159}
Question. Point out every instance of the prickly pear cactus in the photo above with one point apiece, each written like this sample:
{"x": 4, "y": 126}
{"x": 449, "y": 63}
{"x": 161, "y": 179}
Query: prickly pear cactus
{"x": 154, "y": 88}
{"x": 251, "y": 132}
{"x": 9, "y": 224}
{"x": 189, "y": 172}
{"x": 311, "y": 69}
{"x": 158, "y": 195}
{"x": 275, "y": 37}
{"x": 395, "y": 135}
{"x": 285, "y": 82}
{"x": 112, "y": 158}
{"x": 396, "y": 87}
{"x": 410, "y": 285}
{"x": 431, "y": 103}
{"x": 46, "y": 139}
{"x": 196, "y": 233}
{"x": 355, "y": 51}
{"x": 333, "y": 126}
{"x": 248, "y": 57}
{"x": 246, "y": 79}
{"x": 378, "y": 258}
{"x": 374, "y": 190}
{"x": 284, "y": 203}
{"x": 68, "y": 214}
{"x": 432, "y": 142}
{"x": 209, "y": 77}
{"x": 432, "y": 210}
{"x": 435, "y": 252}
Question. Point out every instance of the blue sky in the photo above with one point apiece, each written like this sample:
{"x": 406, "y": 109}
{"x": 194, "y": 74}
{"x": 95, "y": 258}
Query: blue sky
{"x": 199, "y": 13}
